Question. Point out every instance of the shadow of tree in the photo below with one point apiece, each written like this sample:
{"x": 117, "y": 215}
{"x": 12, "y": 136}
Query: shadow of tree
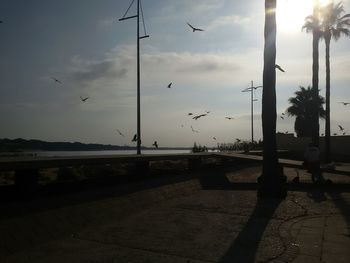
{"x": 245, "y": 246}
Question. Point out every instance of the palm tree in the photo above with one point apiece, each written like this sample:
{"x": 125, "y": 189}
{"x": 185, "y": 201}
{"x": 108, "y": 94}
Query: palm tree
{"x": 333, "y": 25}
{"x": 302, "y": 107}
{"x": 272, "y": 181}
{"x": 312, "y": 24}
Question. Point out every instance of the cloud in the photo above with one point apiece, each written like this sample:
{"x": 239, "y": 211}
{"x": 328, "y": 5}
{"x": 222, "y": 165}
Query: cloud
{"x": 99, "y": 69}
{"x": 224, "y": 21}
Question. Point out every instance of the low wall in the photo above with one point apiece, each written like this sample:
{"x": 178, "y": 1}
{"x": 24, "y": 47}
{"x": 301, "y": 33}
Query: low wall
{"x": 340, "y": 145}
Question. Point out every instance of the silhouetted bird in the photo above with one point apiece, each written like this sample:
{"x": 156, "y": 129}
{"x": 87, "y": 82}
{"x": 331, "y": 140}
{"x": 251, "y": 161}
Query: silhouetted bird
{"x": 214, "y": 138}
{"x": 344, "y": 133}
{"x": 282, "y": 117}
{"x": 286, "y": 132}
{"x": 283, "y": 113}
{"x": 238, "y": 140}
{"x": 84, "y": 99}
{"x": 229, "y": 118}
{"x": 345, "y": 103}
{"x": 121, "y": 134}
{"x": 199, "y": 116}
{"x": 322, "y": 134}
{"x": 194, "y": 28}
{"x": 207, "y": 112}
{"x": 135, "y": 138}
{"x": 190, "y": 113}
{"x": 169, "y": 85}
{"x": 56, "y": 80}
{"x": 279, "y": 68}
{"x": 341, "y": 128}
{"x": 193, "y": 130}
{"x": 155, "y": 144}
{"x": 335, "y": 134}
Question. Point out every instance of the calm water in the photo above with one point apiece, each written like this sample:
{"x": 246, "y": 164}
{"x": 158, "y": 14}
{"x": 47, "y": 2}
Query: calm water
{"x": 87, "y": 153}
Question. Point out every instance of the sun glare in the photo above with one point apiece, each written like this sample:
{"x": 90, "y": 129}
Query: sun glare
{"x": 325, "y": 2}
{"x": 291, "y": 15}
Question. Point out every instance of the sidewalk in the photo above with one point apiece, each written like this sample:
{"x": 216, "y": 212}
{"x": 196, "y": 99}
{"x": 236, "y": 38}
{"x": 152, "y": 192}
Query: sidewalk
{"x": 207, "y": 219}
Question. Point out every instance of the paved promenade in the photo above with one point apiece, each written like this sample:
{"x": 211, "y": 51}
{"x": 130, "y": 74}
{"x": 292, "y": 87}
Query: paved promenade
{"x": 204, "y": 217}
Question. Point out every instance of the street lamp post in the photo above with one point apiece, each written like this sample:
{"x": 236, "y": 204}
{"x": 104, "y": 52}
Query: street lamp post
{"x": 252, "y": 100}
{"x": 138, "y": 67}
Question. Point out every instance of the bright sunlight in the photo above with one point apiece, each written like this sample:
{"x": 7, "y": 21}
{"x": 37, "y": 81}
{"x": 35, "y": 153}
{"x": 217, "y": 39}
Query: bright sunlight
{"x": 291, "y": 15}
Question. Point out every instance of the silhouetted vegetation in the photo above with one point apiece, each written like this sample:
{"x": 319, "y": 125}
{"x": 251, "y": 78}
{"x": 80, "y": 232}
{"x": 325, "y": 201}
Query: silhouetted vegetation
{"x": 333, "y": 25}
{"x": 240, "y": 146}
{"x": 198, "y": 148}
{"x": 312, "y": 25}
{"x": 302, "y": 107}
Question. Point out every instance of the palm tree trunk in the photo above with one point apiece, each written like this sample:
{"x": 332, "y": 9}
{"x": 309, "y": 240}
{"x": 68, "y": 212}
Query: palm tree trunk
{"x": 270, "y": 180}
{"x": 328, "y": 158}
{"x": 315, "y": 79}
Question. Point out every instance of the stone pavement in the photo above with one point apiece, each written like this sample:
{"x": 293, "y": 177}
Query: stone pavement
{"x": 210, "y": 218}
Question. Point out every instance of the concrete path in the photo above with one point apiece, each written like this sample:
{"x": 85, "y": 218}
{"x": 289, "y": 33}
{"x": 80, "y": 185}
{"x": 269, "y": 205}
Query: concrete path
{"x": 205, "y": 219}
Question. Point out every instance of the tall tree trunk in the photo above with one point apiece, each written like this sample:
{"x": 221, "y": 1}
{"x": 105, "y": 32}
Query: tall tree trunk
{"x": 328, "y": 158}
{"x": 270, "y": 181}
{"x": 315, "y": 70}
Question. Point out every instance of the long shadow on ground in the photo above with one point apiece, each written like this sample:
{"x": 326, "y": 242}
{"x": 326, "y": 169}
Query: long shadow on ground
{"x": 245, "y": 246}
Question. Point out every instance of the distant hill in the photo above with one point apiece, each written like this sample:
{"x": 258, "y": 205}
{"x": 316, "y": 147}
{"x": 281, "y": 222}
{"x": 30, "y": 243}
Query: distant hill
{"x": 8, "y": 145}
{"x": 25, "y": 145}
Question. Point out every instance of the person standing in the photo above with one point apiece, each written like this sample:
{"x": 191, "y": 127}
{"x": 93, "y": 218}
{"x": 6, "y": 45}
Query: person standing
{"x": 312, "y": 161}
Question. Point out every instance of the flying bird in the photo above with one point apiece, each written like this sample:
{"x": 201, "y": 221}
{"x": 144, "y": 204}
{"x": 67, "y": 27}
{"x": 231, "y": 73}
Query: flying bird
{"x": 193, "y": 130}
{"x": 345, "y": 103}
{"x": 283, "y": 113}
{"x": 190, "y": 113}
{"x": 199, "y": 116}
{"x": 56, "y": 80}
{"x": 194, "y": 28}
{"x": 238, "y": 140}
{"x": 120, "y": 133}
{"x": 155, "y": 144}
{"x": 282, "y": 117}
{"x": 229, "y": 118}
{"x": 214, "y": 138}
{"x": 341, "y": 128}
{"x": 335, "y": 134}
{"x": 169, "y": 85}
{"x": 135, "y": 138}
{"x": 344, "y": 133}
{"x": 84, "y": 99}
{"x": 207, "y": 112}
{"x": 279, "y": 68}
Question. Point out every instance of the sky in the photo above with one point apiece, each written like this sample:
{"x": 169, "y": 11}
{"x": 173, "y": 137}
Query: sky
{"x": 82, "y": 43}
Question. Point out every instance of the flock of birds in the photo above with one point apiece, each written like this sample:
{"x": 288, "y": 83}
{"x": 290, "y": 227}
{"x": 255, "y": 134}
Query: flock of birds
{"x": 196, "y": 117}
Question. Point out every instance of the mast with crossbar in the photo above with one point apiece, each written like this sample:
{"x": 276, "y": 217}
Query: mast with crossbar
{"x": 139, "y": 8}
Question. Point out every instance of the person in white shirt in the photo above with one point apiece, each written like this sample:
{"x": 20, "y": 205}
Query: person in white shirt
{"x": 312, "y": 161}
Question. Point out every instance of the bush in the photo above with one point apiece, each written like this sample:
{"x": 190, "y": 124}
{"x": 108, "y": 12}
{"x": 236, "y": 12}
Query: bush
{"x": 239, "y": 145}
{"x": 198, "y": 148}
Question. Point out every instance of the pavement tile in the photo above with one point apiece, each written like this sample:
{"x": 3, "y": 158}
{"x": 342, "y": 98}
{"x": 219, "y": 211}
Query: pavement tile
{"x": 185, "y": 223}
{"x": 306, "y": 259}
{"x": 336, "y": 248}
{"x": 309, "y": 244}
{"x": 335, "y": 258}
